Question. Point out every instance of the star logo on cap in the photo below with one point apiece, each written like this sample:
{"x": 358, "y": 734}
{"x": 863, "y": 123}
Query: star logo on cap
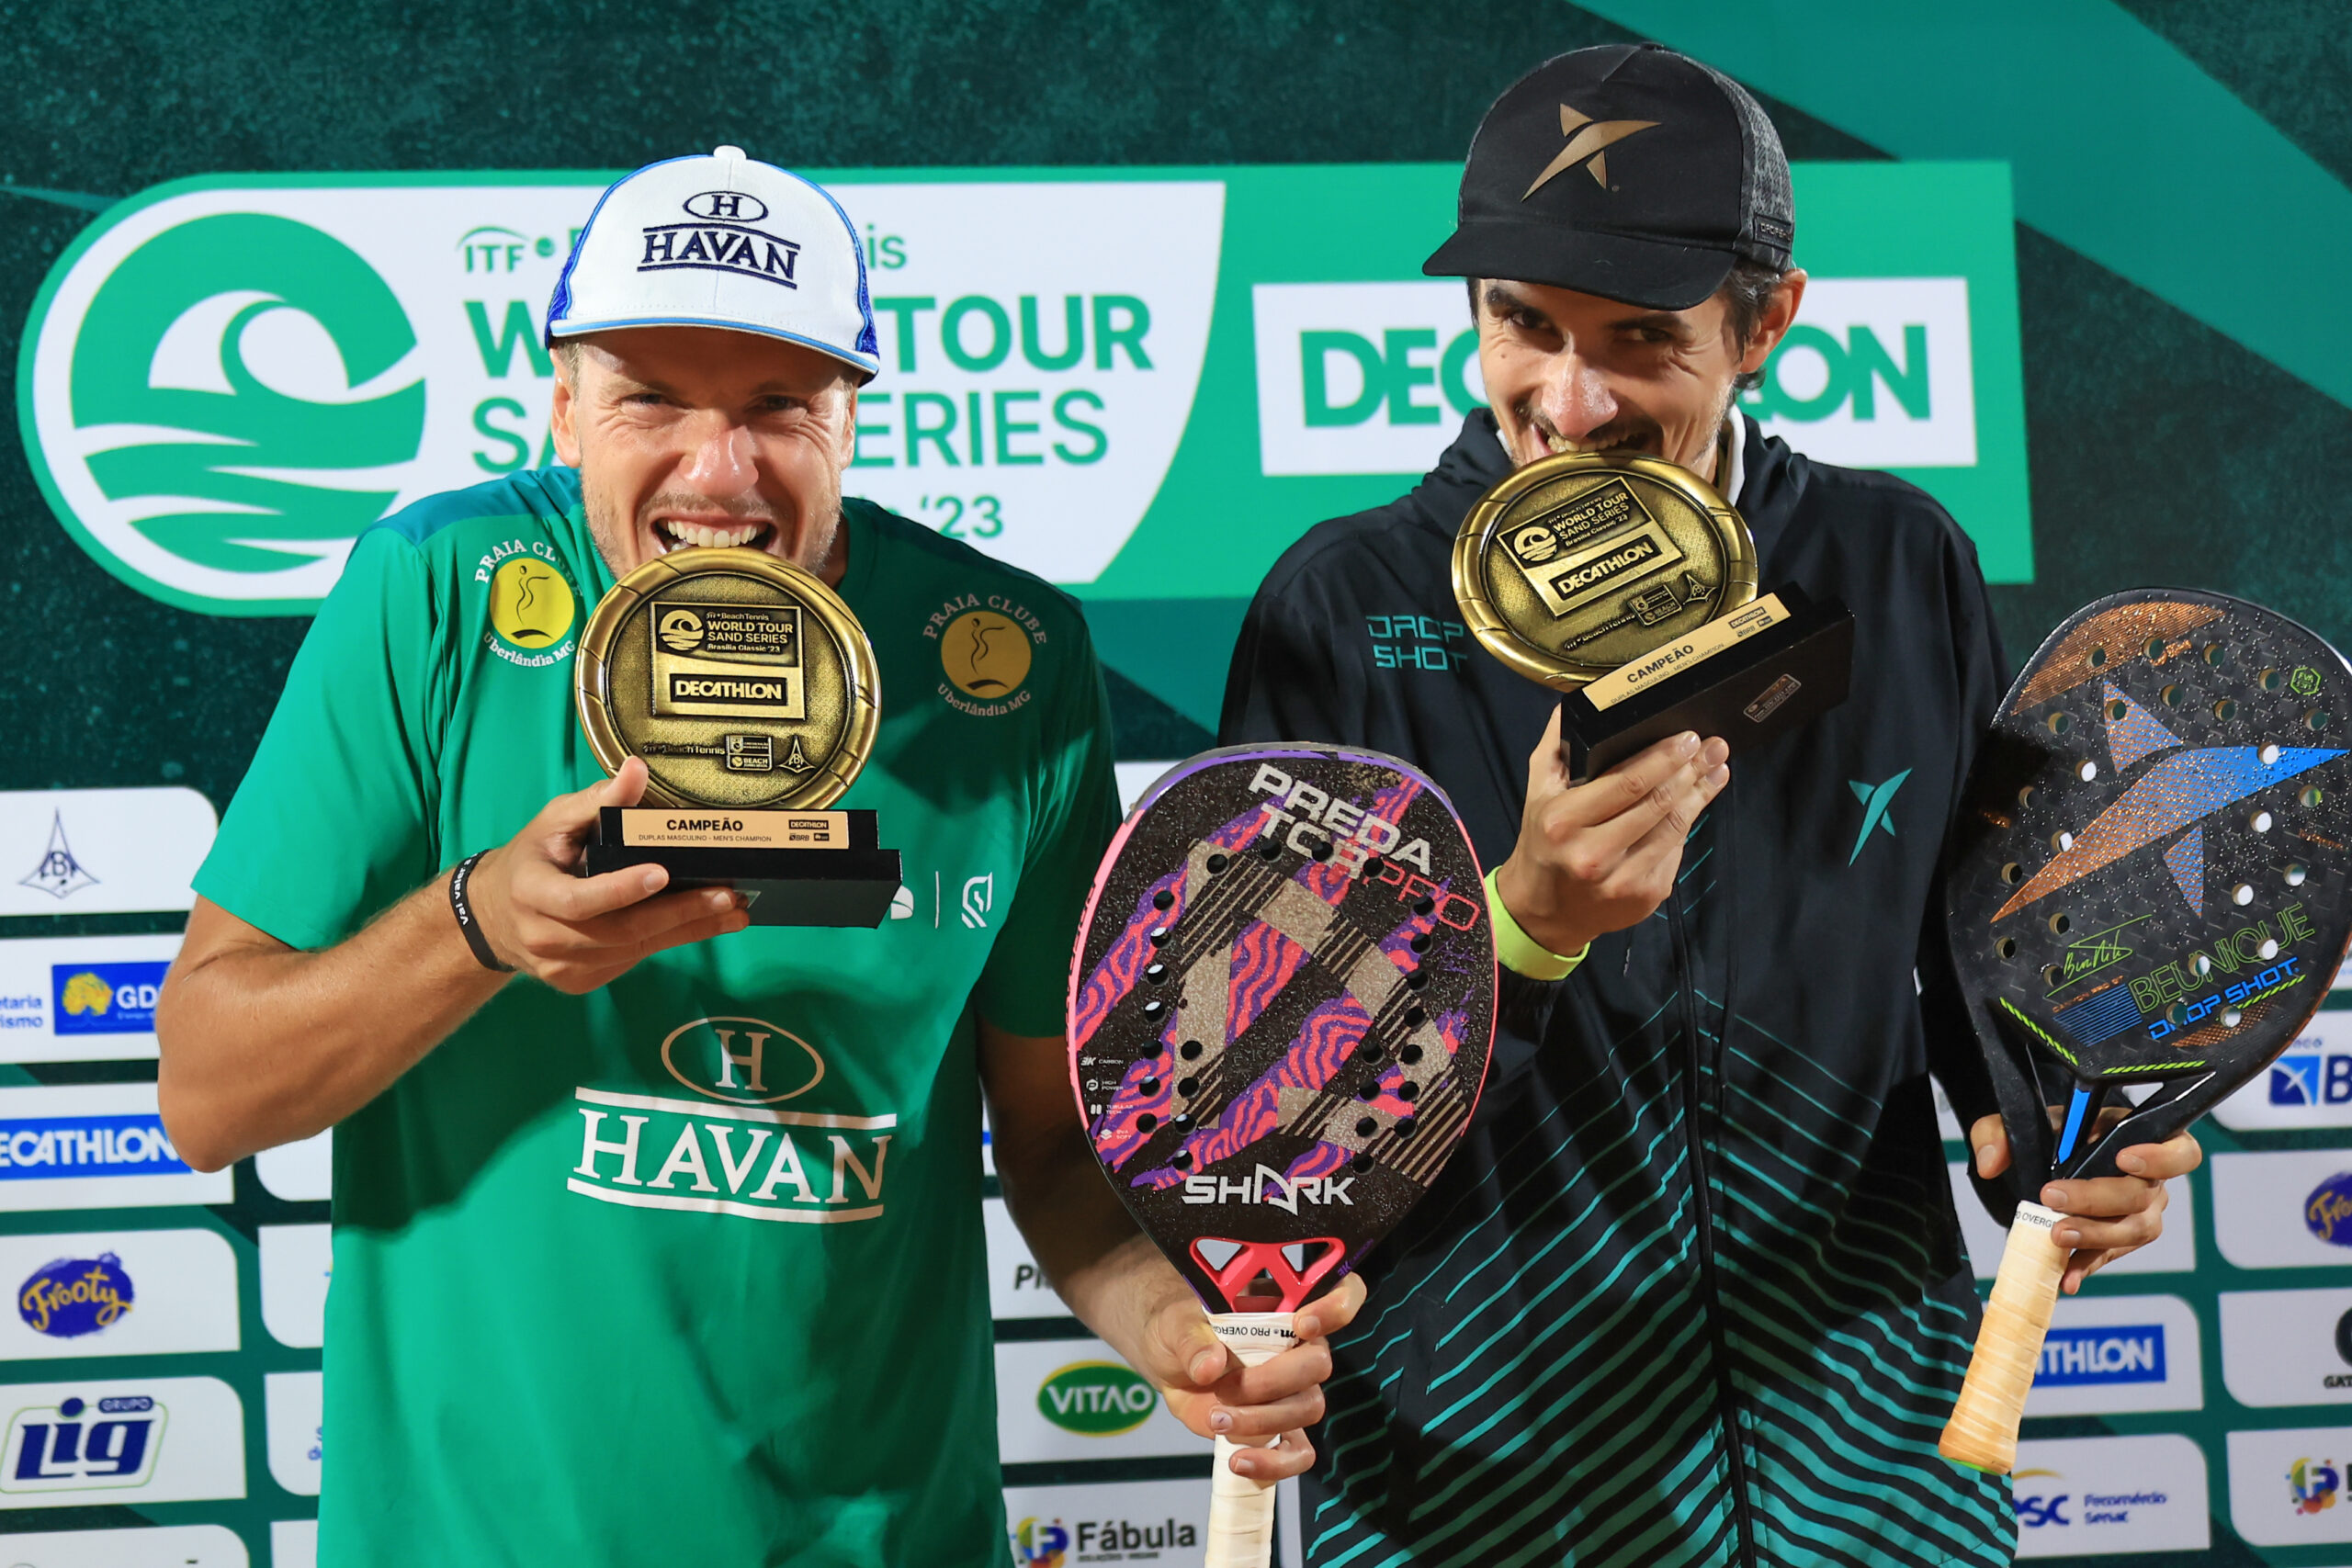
{"x": 1588, "y": 140}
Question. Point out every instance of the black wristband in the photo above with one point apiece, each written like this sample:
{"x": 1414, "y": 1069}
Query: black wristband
{"x": 465, "y": 913}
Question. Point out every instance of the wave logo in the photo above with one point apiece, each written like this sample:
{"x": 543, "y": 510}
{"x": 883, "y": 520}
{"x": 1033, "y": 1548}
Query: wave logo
{"x": 74, "y": 1296}
{"x": 2312, "y": 1484}
{"x": 1040, "y": 1543}
{"x": 2327, "y": 1212}
{"x": 1097, "y": 1399}
{"x": 218, "y": 407}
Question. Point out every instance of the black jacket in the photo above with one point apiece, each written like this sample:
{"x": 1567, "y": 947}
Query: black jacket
{"x": 1693, "y": 1289}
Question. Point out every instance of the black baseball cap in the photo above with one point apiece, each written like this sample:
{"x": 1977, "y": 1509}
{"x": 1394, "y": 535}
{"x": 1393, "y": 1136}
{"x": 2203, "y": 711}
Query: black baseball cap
{"x": 1626, "y": 170}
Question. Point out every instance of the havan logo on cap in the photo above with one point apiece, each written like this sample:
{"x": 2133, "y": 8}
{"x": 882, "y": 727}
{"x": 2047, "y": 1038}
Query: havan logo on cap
{"x": 723, "y": 241}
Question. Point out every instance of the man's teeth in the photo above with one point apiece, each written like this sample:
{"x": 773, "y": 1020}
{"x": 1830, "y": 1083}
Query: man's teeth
{"x": 704, "y": 536}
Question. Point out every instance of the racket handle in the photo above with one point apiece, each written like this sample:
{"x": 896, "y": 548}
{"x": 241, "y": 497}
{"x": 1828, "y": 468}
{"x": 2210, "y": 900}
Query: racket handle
{"x": 1982, "y": 1431}
{"x": 1241, "y": 1511}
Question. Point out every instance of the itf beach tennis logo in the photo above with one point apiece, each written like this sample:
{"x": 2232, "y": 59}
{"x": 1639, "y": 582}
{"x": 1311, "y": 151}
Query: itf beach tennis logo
{"x": 224, "y": 381}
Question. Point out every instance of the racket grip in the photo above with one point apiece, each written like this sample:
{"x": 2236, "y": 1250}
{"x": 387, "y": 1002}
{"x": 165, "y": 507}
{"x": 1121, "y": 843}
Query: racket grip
{"x": 1241, "y": 1511}
{"x": 1982, "y": 1431}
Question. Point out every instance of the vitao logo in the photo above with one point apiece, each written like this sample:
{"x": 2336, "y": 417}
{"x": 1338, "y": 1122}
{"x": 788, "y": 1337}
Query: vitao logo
{"x": 224, "y": 380}
{"x": 1875, "y": 373}
{"x": 746, "y": 1060}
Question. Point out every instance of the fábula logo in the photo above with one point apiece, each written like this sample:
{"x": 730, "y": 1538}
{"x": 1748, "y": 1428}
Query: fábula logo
{"x": 72, "y": 1297}
{"x": 1097, "y": 1399}
{"x": 78, "y": 1445}
{"x": 105, "y": 999}
{"x": 2312, "y": 1484}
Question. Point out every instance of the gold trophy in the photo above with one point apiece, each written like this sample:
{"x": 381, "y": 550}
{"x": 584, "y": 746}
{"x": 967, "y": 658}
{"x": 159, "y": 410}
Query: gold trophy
{"x": 1630, "y": 585}
{"x": 751, "y": 694}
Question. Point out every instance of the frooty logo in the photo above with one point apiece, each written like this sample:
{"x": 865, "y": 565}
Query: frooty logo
{"x": 220, "y": 403}
{"x": 223, "y": 383}
{"x": 1876, "y": 373}
{"x": 1361, "y": 377}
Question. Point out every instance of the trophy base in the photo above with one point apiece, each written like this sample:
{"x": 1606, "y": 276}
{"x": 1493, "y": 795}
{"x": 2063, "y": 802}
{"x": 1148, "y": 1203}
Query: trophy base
{"x": 1747, "y": 690}
{"x": 793, "y": 868}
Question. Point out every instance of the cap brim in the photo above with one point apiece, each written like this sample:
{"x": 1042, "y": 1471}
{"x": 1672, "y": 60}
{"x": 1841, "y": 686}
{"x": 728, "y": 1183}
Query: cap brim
{"x": 1656, "y": 275}
{"x": 866, "y": 366}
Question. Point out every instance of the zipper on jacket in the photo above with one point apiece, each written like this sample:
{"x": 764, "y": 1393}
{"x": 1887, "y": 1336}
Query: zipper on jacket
{"x": 1726, "y": 1414}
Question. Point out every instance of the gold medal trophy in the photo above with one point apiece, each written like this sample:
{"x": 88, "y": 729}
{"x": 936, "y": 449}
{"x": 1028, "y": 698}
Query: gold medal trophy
{"x": 1630, "y": 585}
{"x": 751, "y": 694}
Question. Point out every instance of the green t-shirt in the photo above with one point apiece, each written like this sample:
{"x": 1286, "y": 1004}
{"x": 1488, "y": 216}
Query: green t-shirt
{"x": 689, "y": 1270}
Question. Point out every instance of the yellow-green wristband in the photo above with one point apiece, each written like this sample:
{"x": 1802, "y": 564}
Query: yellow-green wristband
{"x": 1522, "y": 954}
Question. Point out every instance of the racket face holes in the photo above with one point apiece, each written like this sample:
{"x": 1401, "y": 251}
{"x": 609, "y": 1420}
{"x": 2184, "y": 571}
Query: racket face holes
{"x": 2231, "y": 1019}
{"x": 2260, "y": 821}
{"x": 2268, "y": 950}
{"x": 2273, "y": 679}
{"x": 2059, "y": 925}
{"x": 2007, "y": 948}
{"x": 2170, "y": 696}
{"x": 2062, "y": 840}
{"x": 1322, "y": 851}
{"x": 2025, "y": 796}
{"x": 1366, "y": 1128}
{"x": 2087, "y": 772}
{"x": 2295, "y": 873}
{"x": 2095, "y": 659}
{"x": 1368, "y": 1052}
{"x": 2216, "y": 655}
{"x": 1416, "y": 980}
{"x": 2319, "y": 718}
{"x": 1216, "y": 865}
{"x": 1151, "y": 1049}
{"x": 1407, "y": 1126}
{"x": 1190, "y": 1051}
{"x": 2177, "y": 1015}
{"x": 1148, "y": 1086}
{"x": 1425, "y": 905}
{"x": 2155, "y": 647}
{"x": 1362, "y": 1163}
{"x": 2051, "y": 975}
{"x": 2226, "y": 709}
{"x": 2200, "y": 966}
{"x": 1154, "y": 1007}
{"x": 1146, "y": 1122}
{"x": 2060, "y": 723}
{"x": 1156, "y": 972}
{"x": 2013, "y": 874}
{"x": 1420, "y": 943}
{"x": 1268, "y": 849}
{"x": 2312, "y": 796}
{"x": 1408, "y": 1092}
{"x": 1158, "y": 936}
{"x": 2118, "y": 708}
{"x": 1368, "y": 1092}
{"x": 2242, "y": 894}
{"x": 1410, "y": 1055}
{"x": 2269, "y": 755}
{"x": 1182, "y": 1122}
{"x": 1188, "y": 1086}
{"x": 1163, "y": 899}
{"x": 1415, "y": 1017}
{"x": 1182, "y": 1159}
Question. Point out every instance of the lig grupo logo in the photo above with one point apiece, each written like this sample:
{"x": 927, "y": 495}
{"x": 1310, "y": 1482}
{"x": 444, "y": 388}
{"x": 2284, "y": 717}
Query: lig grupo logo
{"x": 1097, "y": 1399}
{"x": 226, "y": 378}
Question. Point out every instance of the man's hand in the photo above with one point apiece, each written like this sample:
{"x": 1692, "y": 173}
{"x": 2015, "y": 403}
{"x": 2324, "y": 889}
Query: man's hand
{"x": 1210, "y": 1390}
{"x": 2109, "y": 1215}
{"x": 1601, "y": 856}
{"x": 577, "y": 933}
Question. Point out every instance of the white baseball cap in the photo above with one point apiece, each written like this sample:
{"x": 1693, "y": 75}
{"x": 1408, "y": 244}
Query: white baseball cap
{"x": 723, "y": 241}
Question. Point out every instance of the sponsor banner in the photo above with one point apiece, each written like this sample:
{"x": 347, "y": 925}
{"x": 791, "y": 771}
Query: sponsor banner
{"x": 2283, "y": 1210}
{"x": 292, "y": 1401}
{"x": 94, "y": 1146}
{"x": 81, "y": 999}
{"x": 1130, "y": 1521}
{"x": 94, "y": 851}
{"x": 2109, "y": 1354}
{"x": 2174, "y": 1252}
{"x": 1361, "y": 377}
{"x": 2308, "y": 1086}
{"x": 2288, "y": 1346}
{"x": 1063, "y": 1399}
{"x": 297, "y": 1261}
{"x": 118, "y": 1294}
{"x": 2286, "y": 1486}
{"x": 2084, "y": 1497}
{"x": 226, "y": 377}
{"x": 294, "y": 1543}
{"x": 301, "y": 1172}
{"x": 121, "y": 1442}
{"x": 1017, "y": 1287}
{"x": 178, "y": 1546}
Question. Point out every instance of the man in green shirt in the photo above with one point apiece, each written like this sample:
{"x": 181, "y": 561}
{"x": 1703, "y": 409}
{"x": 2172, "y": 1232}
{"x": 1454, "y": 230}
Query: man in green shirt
{"x": 668, "y": 1251}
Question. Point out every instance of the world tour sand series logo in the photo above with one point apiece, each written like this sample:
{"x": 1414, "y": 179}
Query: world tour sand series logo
{"x": 225, "y": 379}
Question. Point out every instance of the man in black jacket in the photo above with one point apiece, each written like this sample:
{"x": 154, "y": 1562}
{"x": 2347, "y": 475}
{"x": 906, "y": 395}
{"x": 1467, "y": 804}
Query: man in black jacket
{"x": 1692, "y": 1291}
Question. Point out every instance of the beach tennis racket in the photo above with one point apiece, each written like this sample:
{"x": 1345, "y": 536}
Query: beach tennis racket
{"x": 1281, "y": 1008}
{"x": 2150, "y": 891}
